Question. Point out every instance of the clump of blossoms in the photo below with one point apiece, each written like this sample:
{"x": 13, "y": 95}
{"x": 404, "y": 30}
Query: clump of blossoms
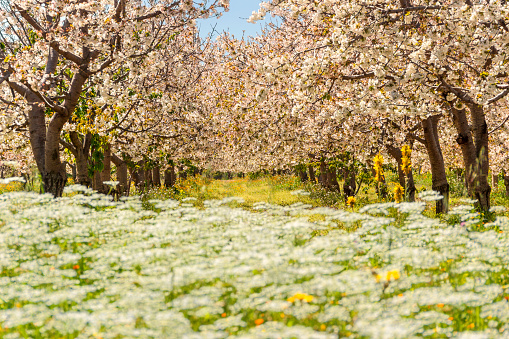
{"x": 378, "y": 162}
{"x": 350, "y": 201}
{"x": 406, "y": 162}
{"x": 399, "y": 192}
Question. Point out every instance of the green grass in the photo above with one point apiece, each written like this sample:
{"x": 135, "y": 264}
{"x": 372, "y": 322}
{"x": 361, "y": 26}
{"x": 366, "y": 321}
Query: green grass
{"x": 278, "y": 190}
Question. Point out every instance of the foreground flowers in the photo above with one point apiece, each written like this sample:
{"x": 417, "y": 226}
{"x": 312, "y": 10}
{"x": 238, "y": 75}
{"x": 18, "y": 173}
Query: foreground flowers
{"x": 86, "y": 266}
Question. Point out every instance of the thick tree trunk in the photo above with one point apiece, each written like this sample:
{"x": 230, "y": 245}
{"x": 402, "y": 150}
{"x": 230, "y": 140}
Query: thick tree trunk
{"x": 322, "y": 178}
{"x": 121, "y": 174}
{"x": 156, "y": 176}
{"x": 480, "y": 129}
{"x": 97, "y": 182}
{"x": 169, "y": 176}
{"x": 303, "y": 175}
{"x": 54, "y": 177}
{"x": 311, "y": 171}
{"x": 182, "y": 173}
{"x": 349, "y": 185}
{"x": 332, "y": 180}
{"x": 149, "y": 182}
{"x": 74, "y": 172}
{"x": 466, "y": 142}
{"x": 438, "y": 176}
{"x": 82, "y": 174}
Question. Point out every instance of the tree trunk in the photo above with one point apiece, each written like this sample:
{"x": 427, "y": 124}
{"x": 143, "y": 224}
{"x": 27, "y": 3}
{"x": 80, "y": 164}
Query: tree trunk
{"x": 182, "y": 173}
{"x": 332, "y": 180}
{"x": 506, "y": 183}
{"x": 466, "y": 142}
{"x": 322, "y": 178}
{"x": 349, "y": 185}
{"x": 121, "y": 174}
{"x": 149, "y": 182}
{"x": 410, "y": 186}
{"x": 311, "y": 171}
{"x": 438, "y": 176}
{"x": 97, "y": 182}
{"x": 480, "y": 129}
{"x": 170, "y": 176}
{"x": 105, "y": 174}
{"x": 55, "y": 176}
{"x": 55, "y": 172}
{"x": 494, "y": 179}
{"x": 156, "y": 176}
{"x": 303, "y": 175}
{"x": 74, "y": 173}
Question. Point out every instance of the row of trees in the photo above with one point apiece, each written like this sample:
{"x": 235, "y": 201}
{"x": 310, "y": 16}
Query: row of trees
{"x": 130, "y": 82}
{"x": 370, "y": 77}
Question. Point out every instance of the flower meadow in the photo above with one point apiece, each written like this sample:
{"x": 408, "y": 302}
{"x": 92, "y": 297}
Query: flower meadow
{"x": 85, "y": 266}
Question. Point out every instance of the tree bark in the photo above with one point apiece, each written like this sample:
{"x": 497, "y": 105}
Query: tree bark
{"x": 466, "y": 142}
{"x": 480, "y": 128}
{"x": 311, "y": 171}
{"x": 332, "y": 180}
{"x": 322, "y": 178}
{"x": 169, "y": 176}
{"x": 494, "y": 179}
{"x": 105, "y": 174}
{"x": 149, "y": 182}
{"x": 303, "y": 175}
{"x": 156, "y": 176}
{"x": 506, "y": 183}
{"x": 121, "y": 174}
{"x": 349, "y": 185}
{"x": 182, "y": 173}
{"x": 438, "y": 175}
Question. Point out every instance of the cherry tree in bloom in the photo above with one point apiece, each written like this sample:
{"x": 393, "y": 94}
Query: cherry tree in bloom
{"x": 67, "y": 53}
{"x": 411, "y": 58}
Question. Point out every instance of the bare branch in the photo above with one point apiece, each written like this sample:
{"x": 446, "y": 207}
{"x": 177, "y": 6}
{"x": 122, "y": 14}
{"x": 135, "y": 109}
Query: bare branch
{"x": 498, "y": 97}
{"x": 411, "y": 9}
{"x": 499, "y": 126}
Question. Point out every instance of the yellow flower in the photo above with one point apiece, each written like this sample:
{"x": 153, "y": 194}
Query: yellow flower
{"x": 388, "y": 276}
{"x": 301, "y": 296}
{"x": 350, "y": 201}
{"x": 406, "y": 163}
{"x": 399, "y": 191}
{"x": 378, "y": 163}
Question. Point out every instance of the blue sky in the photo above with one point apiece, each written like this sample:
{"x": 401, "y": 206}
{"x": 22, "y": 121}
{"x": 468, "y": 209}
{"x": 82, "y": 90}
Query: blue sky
{"x": 235, "y": 21}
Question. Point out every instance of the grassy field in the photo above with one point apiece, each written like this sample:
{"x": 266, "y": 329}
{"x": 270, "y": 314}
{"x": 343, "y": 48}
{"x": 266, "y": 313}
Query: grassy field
{"x": 282, "y": 190}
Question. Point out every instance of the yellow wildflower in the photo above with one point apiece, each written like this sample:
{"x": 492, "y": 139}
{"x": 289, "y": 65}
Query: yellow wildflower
{"x": 388, "y": 276}
{"x": 350, "y": 201}
{"x": 378, "y": 163}
{"x": 406, "y": 163}
{"x": 301, "y": 296}
{"x": 399, "y": 191}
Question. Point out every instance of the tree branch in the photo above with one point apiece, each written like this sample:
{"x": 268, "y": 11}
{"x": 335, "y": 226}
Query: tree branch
{"x": 499, "y": 126}
{"x": 498, "y": 97}
{"x": 411, "y": 9}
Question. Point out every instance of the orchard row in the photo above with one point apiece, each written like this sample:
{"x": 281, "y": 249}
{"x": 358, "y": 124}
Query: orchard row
{"x": 132, "y": 83}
